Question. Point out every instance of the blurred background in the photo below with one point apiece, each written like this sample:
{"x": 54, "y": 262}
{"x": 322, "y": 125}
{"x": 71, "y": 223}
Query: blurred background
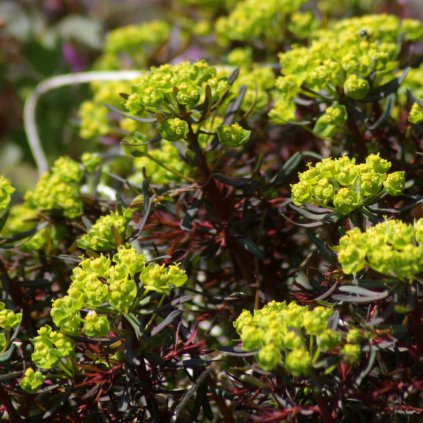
{"x": 40, "y": 39}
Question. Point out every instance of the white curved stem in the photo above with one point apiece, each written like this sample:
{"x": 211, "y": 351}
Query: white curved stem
{"x": 56, "y": 82}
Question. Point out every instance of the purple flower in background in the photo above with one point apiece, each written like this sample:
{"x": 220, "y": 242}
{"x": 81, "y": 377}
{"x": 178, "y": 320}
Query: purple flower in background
{"x": 72, "y": 57}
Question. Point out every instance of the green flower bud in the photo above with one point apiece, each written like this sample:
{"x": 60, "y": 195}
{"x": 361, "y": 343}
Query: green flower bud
{"x": 416, "y": 114}
{"x": 174, "y": 129}
{"x": 346, "y": 171}
{"x": 65, "y": 314}
{"x": 395, "y": 183}
{"x": 252, "y": 338}
{"x": 316, "y": 321}
{"x": 328, "y": 339}
{"x": 298, "y": 362}
{"x": 8, "y": 318}
{"x": 370, "y": 183}
{"x": 351, "y": 353}
{"x": 96, "y": 326}
{"x": 122, "y": 289}
{"x": 162, "y": 279}
{"x": 346, "y": 200}
{"x": 292, "y": 340}
{"x": 100, "y": 236}
{"x": 59, "y": 189}
{"x": 377, "y": 164}
{"x": 301, "y": 193}
{"x": 243, "y": 320}
{"x": 269, "y": 357}
{"x": 188, "y": 94}
{"x": 323, "y": 192}
{"x": 32, "y": 381}
{"x": 354, "y": 336}
{"x": 241, "y": 56}
{"x": 233, "y": 136}
{"x": 128, "y": 256}
{"x": 50, "y": 347}
{"x": 356, "y": 88}
{"x": 352, "y": 259}
{"x": 91, "y": 162}
{"x": 334, "y": 117}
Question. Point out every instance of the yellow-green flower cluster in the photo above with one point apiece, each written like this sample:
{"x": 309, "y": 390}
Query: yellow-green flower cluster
{"x": 102, "y": 234}
{"x": 51, "y": 348}
{"x": 393, "y": 248}
{"x": 259, "y": 81}
{"x": 288, "y": 335}
{"x": 23, "y": 218}
{"x": 6, "y": 191}
{"x": 255, "y": 20}
{"x": 233, "y": 135}
{"x": 93, "y": 120}
{"x": 180, "y": 86}
{"x": 94, "y": 115}
{"x": 416, "y": 114}
{"x": 341, "y": 59}
{"x": 132, "y": 39}
{"x": 8, "y": 321}
{"x": 343, "y": 185}
{"x": 166, "y": 154}
{"x": 32, "y": 381}
{"x": 58, "y": 190}
{"x": 162, "y": 279}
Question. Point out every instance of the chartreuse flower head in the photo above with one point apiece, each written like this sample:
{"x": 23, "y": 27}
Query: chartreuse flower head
{"x": 102, "y": 235}
{"x": 174, "y": 129}
{"x": 351, "y": 56}
{"x": 356, "y": 88}
{"x": 343, "y": 185}
{"x": 6, "y": 191}
{"x": 162, "y": 279}
{"x": 50, "y": 348}
{"x": 233, "y": 135}
{"x": 32, "y": 381}
{"x": 392, "y": 248}
{"x": 288, "y": 336}
{"x": 8, "y": 318}
{"x": 169, "y": 86}
{"x": 59, "y": 189}
{"x": 96, "y": 326}
{"x": 8, "y": 321}
{"x": 250, "y": 20}
{"x": 333, "y": 118}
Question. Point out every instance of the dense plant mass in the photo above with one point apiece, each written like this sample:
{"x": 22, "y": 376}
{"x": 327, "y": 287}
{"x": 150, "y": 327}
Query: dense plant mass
{"x": 241, "y": 237}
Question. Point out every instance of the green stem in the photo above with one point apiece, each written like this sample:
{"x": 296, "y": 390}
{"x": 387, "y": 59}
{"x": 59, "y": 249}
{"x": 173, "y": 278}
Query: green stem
{"x": 155, "y": 314}
{"x": 173, "y": 171}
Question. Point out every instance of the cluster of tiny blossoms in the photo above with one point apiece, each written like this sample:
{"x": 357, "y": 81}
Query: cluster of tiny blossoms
{"x": 6, "y": 191}
{"x": 102, "y": 234}
{"x": 393, "y": 248}
{"x": 102, "y": 289}
{"x": 253, "y": 20}
{"x": 345, "y": 186}
{"x": 59, "y": 190}
{"x": 348, "y": 59}
{"x": 175, "y": 90}
{"x": 8, "y": 321}
{"x": 131, "y": 46}
{"x": 293, "y": 337}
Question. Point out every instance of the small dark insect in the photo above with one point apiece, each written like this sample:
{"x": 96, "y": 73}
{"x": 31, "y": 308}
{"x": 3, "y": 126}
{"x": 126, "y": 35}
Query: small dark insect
{"x": 364, "y": 34}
